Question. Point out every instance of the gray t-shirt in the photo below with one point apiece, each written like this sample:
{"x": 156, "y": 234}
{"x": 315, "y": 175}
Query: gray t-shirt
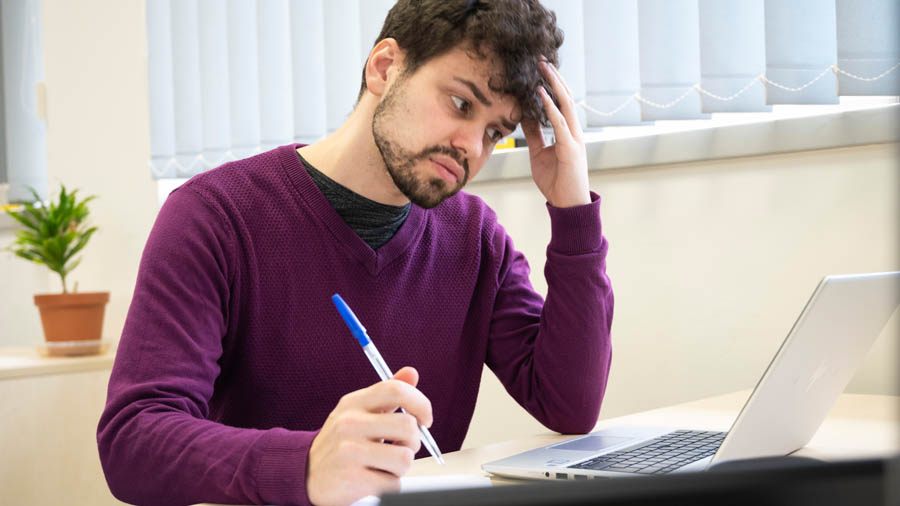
{"x": 375, "y": 223}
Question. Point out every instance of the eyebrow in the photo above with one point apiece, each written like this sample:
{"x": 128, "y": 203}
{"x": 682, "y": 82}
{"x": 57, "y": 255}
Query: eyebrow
{"x": 483, "y": 99}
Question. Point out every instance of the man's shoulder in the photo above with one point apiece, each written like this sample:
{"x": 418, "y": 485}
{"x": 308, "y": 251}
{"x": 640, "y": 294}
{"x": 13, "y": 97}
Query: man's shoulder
{"x": 260, "y": 166}
{"x": 242, "y": 182}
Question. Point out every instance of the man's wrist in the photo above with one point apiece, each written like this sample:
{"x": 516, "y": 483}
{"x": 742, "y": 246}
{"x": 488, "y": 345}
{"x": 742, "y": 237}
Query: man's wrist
{"x": 577, "y": 229}
{"x": 562, "y": 203}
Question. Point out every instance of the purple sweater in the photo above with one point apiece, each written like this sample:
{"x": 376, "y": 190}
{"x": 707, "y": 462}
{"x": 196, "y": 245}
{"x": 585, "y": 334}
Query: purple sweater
{"x": 233, "y": 354}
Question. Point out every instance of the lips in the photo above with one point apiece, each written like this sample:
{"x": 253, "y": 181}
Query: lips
{"x": 448, "y": 169}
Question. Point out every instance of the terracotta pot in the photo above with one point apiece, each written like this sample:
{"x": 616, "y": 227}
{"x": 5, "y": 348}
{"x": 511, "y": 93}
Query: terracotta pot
{"x": 68, "y": 317}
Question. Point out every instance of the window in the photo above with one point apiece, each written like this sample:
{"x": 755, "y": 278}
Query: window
{"x": 23, "y": 155}
{"x": 226, "y": 82}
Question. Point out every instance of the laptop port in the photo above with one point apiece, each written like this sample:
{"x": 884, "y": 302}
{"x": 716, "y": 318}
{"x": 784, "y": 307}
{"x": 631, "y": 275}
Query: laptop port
{"x": 579, "y": 476}
{"x": 562, "y": 476}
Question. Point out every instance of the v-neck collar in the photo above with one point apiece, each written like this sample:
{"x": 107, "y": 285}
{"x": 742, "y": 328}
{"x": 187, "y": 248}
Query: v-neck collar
{"x": 374, "y": 261}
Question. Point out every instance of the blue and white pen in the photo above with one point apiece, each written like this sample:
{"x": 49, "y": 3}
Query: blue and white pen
{"x": 359, "y": 332}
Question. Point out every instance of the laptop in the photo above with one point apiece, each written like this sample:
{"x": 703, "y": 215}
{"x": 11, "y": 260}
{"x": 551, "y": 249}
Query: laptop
{"x": 819, "y": 356}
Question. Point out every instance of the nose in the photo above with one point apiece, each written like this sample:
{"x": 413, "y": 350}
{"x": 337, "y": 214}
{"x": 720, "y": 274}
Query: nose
{"x": 468, "y": 140}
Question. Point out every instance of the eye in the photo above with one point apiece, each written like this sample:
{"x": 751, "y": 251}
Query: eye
{"x": 493, "y": 134}
{"x": 461, "y": 104}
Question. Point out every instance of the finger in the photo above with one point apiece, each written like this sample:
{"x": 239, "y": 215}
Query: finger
{"x": 408, "y": 375}
{"x": 561, "y": 80}
{"x": 401, "y": 428}
{"x": 392, "y": 459}
{"x": 566, "y": 100}
{"x": 534, "y": 137}
{"x": 557, "y": 121}
{"x": 387, "y": 396}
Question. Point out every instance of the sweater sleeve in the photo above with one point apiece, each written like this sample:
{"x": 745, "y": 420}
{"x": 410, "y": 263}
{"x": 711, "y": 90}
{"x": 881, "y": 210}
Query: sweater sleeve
{"x": 553, "y": 356}
{"x": 156, "y": 443}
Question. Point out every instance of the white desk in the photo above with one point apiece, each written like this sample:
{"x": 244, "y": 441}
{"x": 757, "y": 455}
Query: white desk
{"x": 857, "y": 426}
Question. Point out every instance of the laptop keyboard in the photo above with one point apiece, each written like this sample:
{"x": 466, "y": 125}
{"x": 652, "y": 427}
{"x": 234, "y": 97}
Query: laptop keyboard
{"x": 660, "y": 455}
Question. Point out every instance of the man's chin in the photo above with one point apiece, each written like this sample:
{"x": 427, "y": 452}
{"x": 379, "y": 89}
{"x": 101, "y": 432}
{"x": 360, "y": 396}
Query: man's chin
{"x": 427, "y": 201}
{"x": 430, "y": 197}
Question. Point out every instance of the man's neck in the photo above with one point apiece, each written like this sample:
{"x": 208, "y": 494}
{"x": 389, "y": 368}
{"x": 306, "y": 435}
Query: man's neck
{"x": 350, "y": 157}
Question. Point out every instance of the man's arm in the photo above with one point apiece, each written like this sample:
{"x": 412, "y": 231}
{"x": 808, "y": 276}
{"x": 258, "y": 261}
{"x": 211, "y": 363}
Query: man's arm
{"x": 554, "y": 357}
{"x": 156, "y": 444}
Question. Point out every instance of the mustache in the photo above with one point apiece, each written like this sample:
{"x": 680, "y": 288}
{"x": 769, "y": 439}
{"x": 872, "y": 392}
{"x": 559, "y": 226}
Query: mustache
{"x": 445, "y": 150}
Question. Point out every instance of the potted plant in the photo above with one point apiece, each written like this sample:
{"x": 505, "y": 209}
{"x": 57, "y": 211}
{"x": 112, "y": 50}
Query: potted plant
{"x": 53, "y": 234}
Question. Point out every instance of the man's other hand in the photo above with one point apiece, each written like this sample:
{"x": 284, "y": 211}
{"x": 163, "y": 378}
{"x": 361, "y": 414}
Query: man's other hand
{"x": 349, "y": 460}
{"x": 559, "y": 170}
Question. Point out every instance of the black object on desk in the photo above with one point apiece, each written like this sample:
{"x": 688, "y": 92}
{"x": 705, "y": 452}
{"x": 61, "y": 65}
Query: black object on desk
{"x": 772, "y": 481}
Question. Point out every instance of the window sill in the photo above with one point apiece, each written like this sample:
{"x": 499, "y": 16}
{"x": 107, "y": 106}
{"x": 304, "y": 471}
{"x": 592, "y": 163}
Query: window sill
{"x": 840, "y": 129}
{"x": 7, "y": 223}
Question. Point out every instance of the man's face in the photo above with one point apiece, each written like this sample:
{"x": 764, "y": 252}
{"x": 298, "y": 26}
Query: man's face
{"x": 436, "y": 127}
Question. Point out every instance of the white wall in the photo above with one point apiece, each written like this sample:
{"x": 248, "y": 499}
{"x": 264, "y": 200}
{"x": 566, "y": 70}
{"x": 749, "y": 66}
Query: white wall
{"x": 711, "y": 263}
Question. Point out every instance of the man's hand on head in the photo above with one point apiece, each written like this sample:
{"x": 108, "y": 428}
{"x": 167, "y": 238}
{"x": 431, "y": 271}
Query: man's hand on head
{"x": 559, "y": 170}
{"x": 348, "y": 459}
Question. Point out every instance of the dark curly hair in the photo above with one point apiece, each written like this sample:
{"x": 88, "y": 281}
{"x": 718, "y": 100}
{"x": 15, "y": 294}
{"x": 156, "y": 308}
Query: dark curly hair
{"x": 516, "y": 33}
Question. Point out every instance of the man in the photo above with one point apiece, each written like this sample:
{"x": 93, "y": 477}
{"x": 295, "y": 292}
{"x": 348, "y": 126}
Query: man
{"x": 236, "y": 380}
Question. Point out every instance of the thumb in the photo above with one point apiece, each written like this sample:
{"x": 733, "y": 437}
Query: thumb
{"x": 407, "y": 375}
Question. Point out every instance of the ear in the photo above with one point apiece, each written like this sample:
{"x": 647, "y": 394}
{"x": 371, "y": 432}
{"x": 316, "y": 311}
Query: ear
{"x": 386, "y": 61}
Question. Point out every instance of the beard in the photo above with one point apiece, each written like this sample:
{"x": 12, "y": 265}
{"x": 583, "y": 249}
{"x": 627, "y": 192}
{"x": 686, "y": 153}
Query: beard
{"x": 421, "y": 190}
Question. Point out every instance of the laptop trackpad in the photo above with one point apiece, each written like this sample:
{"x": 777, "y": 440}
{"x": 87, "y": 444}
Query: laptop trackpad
{"x": 593, "y": 442}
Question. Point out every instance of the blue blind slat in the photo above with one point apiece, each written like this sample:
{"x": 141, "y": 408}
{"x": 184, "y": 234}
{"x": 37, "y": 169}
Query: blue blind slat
{"x": 800, "y": 44}
{"x": 669, "y": 41}
{"x": 612, "y": 62}
{"x": 308, "y": 67}
{"x": 276, "y": 89}
{"x": 161, "y": 90}
{"x": 214, "y": 85}
{"x": 186, "y": 71}
{"x": 868, "y": 44}
{"x": 243, "y": 77}
{"x": 732, "y": 54}
{"x": 342, "y": 57}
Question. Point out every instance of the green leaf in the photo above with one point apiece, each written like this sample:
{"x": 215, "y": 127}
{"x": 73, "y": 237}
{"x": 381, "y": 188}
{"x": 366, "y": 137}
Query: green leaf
{"x": 80, "y": 243}
{"x": 54, "y": 232}
{"x": 71, "y": 267}
{"x": 25, "y": 219}
{"x": 28, "y": 255}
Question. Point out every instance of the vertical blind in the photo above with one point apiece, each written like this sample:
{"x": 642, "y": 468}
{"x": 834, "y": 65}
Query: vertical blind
{"x": 23, "y": 153}
{"x": 229, "y": 79}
